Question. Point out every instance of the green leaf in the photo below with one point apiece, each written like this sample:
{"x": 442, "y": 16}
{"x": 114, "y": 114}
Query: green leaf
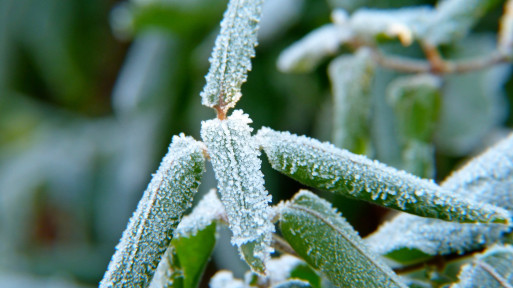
{"x": 323, "y": 166}
{"x": 416, "y": 103}
{"x": 351, "y": 78}
{"x": 163, "y": 204}
{"x": 241, "y": 184}
{"x": 231, "y": 56}
{"x": 328, "y": 243}
{"x": 293, "y": 283}
{"x": 492, "y": 269}
{"x": 505, "y": 43}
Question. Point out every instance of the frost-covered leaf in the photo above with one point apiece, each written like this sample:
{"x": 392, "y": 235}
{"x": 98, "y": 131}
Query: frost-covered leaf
{"x": 225, "y": 279}
{"x": 487, "y": 178}
{"x": 293, "y": 283}
{"x": 328, "y": 243}
{"x": 473, "y": 103}
{"x": 492, "y": 269}
{"x": 150, "y": 229}
{"x": 231, "y": 56}
{"x": 307, "y": 53}
{"x": 416, "y": 103}
{"x": 323, "y": 166}
{"x": 351, "y": 78}
{"x": 505, "y": 44}
{"x": 404, "y": 24}
{"x": 453, "y": 19}
{"x": 234, "y": 157}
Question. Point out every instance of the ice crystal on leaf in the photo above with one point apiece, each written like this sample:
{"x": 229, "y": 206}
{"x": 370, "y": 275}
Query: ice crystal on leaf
{"x": 234, "y": 157}
{"x": 487, "y": 178}
{"x": 231, "y": 57}
{"x": 163, "y": 204}
{"x": 323, "y": 166}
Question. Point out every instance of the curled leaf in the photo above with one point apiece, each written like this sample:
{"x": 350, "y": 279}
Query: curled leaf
{"x": 163, "y": 204}
{"x": 323, "y": 166}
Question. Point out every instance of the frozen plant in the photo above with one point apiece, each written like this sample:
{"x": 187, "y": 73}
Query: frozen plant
{"x": 319, "y": 247}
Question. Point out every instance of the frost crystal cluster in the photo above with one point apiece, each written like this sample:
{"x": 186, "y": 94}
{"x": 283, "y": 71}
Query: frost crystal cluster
{"x": 231, "y": 57}
{"x": 323, "y": 166}
{"x": 163, "y": 204}
{"x": 236, "y": 164}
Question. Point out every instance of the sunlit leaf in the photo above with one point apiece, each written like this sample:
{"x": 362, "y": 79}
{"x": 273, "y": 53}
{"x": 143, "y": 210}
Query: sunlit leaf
{"x": 328, "y": 243}
{"x": 323, "y": 166}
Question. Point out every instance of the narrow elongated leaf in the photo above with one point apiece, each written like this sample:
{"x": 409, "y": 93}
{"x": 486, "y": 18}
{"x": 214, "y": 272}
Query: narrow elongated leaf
{"x": 487, "y": 178}
{"x": 328, "y": 243}
{"x": 284, "y": 268}
{"x": 236, "y": 164}
{"x": 323, "y": 166}
{"x": 351, "y": 78}
{"x": 492, "y": 269}
{"x": 454, "y": 18}
{"x": 231, "y": 56}
{"x": 150, "y": 229}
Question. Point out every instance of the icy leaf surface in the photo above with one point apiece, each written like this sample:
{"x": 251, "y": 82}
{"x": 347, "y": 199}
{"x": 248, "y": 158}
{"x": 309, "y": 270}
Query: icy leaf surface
{"x": 323, "y": 166}
{"x": 225, "y": 279}
{"x": 231, "y": 56}
{"x": 234, "y": 157}
{"x": 492, "y": 269}
{"x": 351, "y": 79}
{"x": 208, "y": 210}
{"x": 150, "y": 229}
{"x": 307, "y": 53}
{"x": 328, "y": 243}
{"x": 487, "y": 178}
{"x": 294, "y": 283}
{"x": 453, "y": 19}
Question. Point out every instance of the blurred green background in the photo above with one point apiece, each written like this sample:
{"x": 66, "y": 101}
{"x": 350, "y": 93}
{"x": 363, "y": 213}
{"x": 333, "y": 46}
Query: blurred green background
{"x": 91, "y": 92}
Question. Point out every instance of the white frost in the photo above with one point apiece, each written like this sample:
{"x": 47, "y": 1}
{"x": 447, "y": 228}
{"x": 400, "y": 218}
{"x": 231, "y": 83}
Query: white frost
{"x": 234, "y": 156}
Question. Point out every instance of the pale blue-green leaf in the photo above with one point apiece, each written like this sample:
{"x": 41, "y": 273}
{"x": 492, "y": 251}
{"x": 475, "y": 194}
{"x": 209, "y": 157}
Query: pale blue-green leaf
{"x": 333, "y": 246}
{"x": 487, "y": 178}
{"x": 163, "y": 204}
{"x": 351, "y": 79}
{"x": 492, "y": 269}
{"x": 453, "y": 19}
{"x": 473, "y": 104}
{"x": 323, "y": 166}
{"x": 234, "y": 157}
{"x": 416, "y": 103}
{"x": 293, "y": 283}
{"x": 231, "y": 56}
{"x": 305, "y": 54}
{"x": 505, "y": 44}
